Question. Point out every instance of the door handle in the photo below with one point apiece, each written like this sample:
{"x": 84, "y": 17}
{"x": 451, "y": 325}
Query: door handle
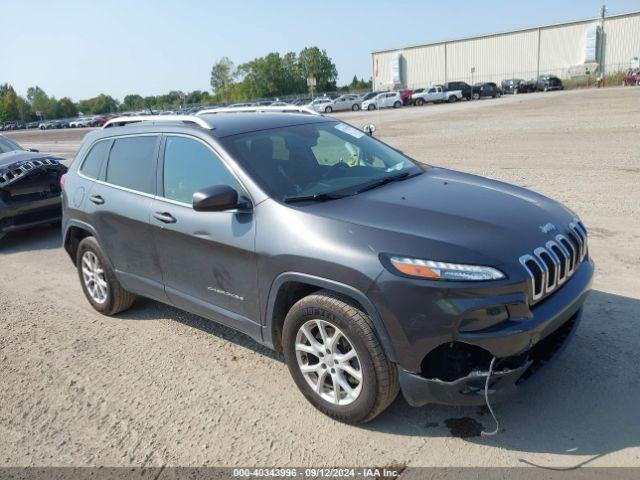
{"x": 97, "y": 199}
{"x": 164, "y": 217}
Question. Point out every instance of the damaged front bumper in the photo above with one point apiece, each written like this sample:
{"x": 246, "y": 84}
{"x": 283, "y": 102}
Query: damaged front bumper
{"x": 520, "y": 351}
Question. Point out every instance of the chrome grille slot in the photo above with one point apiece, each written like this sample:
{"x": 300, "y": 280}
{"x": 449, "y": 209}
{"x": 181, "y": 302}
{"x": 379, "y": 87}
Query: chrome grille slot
{"x": 563, "y": 259}
{"x": 554, "y": 263}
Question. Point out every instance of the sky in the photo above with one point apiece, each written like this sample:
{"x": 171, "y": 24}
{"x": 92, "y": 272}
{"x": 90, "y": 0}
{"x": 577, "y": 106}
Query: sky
{"x": 83, "y": 48}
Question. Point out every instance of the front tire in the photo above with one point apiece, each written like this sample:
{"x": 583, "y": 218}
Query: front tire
{"x": 476, "y": 96}
{"x": 329, "y": 341}
{"x": 328, "y": 110}
{"x": 371, "y": 107}
{"x": 99, "y": 283}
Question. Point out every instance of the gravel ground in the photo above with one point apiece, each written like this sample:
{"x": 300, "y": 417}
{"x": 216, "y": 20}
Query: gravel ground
{"x": 157, "y": 386}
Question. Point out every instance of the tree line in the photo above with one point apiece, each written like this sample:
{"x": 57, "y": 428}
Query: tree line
{"x": 271, "y": 76}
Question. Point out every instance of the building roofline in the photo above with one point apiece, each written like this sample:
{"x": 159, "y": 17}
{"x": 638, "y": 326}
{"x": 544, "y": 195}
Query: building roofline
{"x": 506, "y": 32}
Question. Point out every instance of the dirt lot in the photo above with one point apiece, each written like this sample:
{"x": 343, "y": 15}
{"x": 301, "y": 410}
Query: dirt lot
{"x": 158, "y": 386}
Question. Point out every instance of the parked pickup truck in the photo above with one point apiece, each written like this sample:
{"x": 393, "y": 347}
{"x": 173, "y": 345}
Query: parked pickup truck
{"x": 436, "y": 94}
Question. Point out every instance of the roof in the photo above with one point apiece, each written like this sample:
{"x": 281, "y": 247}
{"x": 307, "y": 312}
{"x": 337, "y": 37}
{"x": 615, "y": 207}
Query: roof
{"x": 242, "y": 122}
{"x": 219, "y": 124}
{"x": 496, "y": 34}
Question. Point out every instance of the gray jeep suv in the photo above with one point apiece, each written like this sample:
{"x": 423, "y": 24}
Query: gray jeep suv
{"x": 370, "y": 272}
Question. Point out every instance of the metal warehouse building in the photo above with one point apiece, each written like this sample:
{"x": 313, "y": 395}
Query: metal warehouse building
{"x": 567, "y": 50}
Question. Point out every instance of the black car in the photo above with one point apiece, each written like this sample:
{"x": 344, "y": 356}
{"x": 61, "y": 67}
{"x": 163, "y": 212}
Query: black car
{"x": 29, "y": 187}
{"x": 549, "y": 82}
{"x": 486, "y": 89}
{"x": 462, "y": 86}
{"x": 518, "y": 85}
{"x": 371, "y": 272}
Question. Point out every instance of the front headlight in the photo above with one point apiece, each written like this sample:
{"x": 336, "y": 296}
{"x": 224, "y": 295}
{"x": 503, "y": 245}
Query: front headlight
{"x": 432, "y": 270}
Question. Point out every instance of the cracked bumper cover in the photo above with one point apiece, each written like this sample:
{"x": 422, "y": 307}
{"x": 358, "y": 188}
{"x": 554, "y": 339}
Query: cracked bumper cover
{"x": 552, "y": 325}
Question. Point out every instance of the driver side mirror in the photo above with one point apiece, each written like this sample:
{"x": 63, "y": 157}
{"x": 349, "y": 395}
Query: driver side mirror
{"x": 34, "y": 150}
{"x": 217, "y": 198}
{"x": 369, "y": 128}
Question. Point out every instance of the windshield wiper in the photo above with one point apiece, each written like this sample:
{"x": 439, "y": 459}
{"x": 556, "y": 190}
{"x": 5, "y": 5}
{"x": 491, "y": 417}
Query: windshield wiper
{"x": 318, "y": 197}
{"x": 385, "y": 180}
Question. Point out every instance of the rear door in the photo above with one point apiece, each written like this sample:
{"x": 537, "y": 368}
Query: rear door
{"x": 119, "y": 205}
{"x": 208, "y": 258}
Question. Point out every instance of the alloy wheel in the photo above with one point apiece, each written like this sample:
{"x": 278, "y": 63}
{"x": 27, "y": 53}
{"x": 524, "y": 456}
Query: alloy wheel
{"x": 328, "y": 361}
{"x": 93, "y": 277}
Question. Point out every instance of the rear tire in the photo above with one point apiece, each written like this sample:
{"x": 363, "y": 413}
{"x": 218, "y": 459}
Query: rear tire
{"x": 351, "y": 329}
{"x": 397, "y": 104}
{"x": 328, "y": 110}
{"x": 452, "y": 99}
{"x": 476, "y": 96}
{"x": 420, "y": 102}
{"x": 355, "y": 107}
{"x": 99, "y": 283}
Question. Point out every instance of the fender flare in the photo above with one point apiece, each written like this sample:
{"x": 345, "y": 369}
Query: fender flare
{"x": 325, "y": 283}
{"x": 84, "y": 226}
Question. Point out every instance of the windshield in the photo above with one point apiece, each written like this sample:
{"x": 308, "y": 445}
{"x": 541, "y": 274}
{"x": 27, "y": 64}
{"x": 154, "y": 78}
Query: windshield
{"x": 7, "y": 145}
{"x": 317, "y": 159}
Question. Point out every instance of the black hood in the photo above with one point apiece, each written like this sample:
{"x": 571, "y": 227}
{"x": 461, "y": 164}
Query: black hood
{"x": 448, "y": 215}
{"x": 20, "y": 156}
{"x": 20, "y": 164}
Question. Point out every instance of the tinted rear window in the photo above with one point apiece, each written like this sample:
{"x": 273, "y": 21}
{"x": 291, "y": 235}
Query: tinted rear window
{"x": 132, "y": 163}
{"x": 93, "y": 161}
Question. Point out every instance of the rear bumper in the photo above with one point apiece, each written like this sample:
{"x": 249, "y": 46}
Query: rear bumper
{"x": 25, "y": 214}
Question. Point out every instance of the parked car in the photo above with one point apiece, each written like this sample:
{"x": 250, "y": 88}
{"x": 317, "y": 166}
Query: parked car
{"x": 389, "y": 274}
{"x": 369, "y": 96}
{"x": 436, "y": 94}
{"x": 464, "y": 87}
{"x": 344, "y": 102}
{"x": 320, "y": 104}
{"x": 486, "y": 89}
{"x": 33, "y": 124}
{"x": 632, "y": 77}
{"x": 549, "y": 82}
{"x": 405, "y": 95}
{"x": 29, "y": 187}
{"x": 511, "y": 85}
{"x": 302, "y": 101}
{"x": 383, "y": 100}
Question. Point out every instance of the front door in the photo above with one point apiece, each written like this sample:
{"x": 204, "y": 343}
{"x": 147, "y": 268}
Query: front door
{"x": 208, "y": 259}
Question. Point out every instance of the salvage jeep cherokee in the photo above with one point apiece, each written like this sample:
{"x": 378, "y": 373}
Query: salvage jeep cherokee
{"x": 370, "y": 272}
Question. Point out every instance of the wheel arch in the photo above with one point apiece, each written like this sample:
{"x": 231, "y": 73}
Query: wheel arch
{"x": 289, "y": 287}
{"x": 74, "y": 232}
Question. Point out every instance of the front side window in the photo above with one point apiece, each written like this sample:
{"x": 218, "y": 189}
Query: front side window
{"x": 330, "y": 158}
{"x": 93, "y": 161}
{"x": 189, "y": 166}
{"x": 132, "y": 163}
{"x": 7, "y": 145}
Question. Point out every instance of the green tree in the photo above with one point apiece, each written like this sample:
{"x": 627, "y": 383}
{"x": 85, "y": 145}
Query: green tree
{"x": 8, "y": 103}
{"x": 24, "y": 110}
{"x": 314, "y": 62}
{"x": 66, "y": 108}
{"x": 223, "y": 78}
{"x": 132, "y": 102}
{"x": 38, "y": 99}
